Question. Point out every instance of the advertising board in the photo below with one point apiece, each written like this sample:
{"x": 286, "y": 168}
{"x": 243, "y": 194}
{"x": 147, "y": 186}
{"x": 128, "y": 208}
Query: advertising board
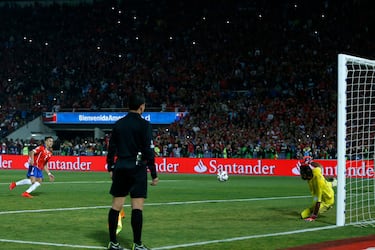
{"x": 234, "y": 166}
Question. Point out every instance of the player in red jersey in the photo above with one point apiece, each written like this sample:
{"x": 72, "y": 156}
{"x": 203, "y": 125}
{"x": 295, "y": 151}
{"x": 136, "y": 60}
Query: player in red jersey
{"x": 38, "y": 159}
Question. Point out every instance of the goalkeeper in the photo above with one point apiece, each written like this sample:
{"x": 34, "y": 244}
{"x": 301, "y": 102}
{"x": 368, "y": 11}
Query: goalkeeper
{"x": 321, "y": 190}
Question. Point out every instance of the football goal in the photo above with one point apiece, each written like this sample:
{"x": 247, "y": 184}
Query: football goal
{"x": 355, "y": 141}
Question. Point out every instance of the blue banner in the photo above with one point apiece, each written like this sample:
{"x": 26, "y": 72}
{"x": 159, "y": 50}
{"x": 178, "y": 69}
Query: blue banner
{"x": 108, "y": 117}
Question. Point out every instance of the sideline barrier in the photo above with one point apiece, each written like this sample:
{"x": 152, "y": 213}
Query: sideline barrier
{"x": 234, "y": 166}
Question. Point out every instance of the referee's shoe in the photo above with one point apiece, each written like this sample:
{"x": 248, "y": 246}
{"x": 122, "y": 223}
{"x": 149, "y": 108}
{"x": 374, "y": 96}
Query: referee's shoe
{"x": 139, "y": 247}
{"x": 114, "y": 246}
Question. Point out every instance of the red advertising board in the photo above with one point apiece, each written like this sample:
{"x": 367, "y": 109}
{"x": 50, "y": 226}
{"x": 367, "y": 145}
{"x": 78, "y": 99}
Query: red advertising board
{"x": 234, "y": 166}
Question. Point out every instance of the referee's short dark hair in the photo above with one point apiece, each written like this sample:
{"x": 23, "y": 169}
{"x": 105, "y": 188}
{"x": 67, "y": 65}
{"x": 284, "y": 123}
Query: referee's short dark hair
{"x": 136, "y": 100}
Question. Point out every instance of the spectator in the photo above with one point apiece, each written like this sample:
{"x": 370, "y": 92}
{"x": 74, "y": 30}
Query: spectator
{"x": 267, "y": 88}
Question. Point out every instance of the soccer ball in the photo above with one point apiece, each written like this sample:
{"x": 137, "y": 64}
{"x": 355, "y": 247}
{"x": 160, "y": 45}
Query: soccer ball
{"x": 222, "y": 176}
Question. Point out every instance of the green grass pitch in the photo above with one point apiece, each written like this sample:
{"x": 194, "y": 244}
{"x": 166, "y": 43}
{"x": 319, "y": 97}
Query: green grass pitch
{"x": 182, "y": 212}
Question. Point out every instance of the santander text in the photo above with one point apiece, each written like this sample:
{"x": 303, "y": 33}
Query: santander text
{"x": 77, "y": 165}
{"x": 165, "y": 167}
{"x": 257, "y": 169}
{"x": 5, "y": 163}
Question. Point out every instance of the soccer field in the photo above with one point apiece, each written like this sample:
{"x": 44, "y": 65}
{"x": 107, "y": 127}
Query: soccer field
{"x": 182, "y": 212}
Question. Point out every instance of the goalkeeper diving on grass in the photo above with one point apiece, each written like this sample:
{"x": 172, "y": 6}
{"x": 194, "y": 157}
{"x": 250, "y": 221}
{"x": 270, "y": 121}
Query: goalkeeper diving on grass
{"x": 321, "y": 190}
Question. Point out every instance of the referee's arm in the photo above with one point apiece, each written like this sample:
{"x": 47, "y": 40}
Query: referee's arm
{"x": 112, "y": 147}
{"x": 149, "y": 154}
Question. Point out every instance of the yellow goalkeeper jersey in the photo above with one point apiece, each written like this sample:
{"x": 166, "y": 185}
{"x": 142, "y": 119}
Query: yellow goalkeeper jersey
{"x": 320, "y": 188}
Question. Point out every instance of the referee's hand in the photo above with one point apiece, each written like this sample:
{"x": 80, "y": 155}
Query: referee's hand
{"x": 155, "y": 181}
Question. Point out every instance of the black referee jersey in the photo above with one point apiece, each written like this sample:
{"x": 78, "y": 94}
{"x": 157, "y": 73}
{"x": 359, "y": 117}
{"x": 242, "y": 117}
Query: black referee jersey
{"x": 130, "y": 135}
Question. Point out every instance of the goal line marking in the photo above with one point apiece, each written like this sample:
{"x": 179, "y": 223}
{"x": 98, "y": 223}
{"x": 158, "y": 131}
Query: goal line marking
{"x": 151, "y": 204}
{"x": 180, "y": 245}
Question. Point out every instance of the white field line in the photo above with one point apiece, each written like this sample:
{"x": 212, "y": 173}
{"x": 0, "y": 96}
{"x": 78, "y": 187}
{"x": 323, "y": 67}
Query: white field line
{"x": 50, "y": 244}
{"x": 156, "y": 204}
{"x": 76, "y": 182}
{"x": 201, "y": 243}
{"x": 151, "y": 204}
{"x": 244, "y": 238}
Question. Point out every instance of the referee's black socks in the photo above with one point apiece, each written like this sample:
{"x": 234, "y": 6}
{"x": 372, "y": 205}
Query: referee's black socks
{"x": 137, "y": 222}
{"x": 112, "y": 224}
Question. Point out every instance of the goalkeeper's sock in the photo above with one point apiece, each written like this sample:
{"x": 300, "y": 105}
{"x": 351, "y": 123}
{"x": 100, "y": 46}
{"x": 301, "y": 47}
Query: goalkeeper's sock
{"x": 306, "y": 213}
{"x": 23, "y": 182}
{"x": 33, "y": 187}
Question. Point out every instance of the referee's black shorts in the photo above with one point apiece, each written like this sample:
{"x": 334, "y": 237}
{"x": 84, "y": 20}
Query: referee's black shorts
{"x": 129, "y": 181}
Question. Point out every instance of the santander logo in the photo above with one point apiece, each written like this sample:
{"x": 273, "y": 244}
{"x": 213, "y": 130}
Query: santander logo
{"x": 200, "y": 168}
{"x": 295, "y": 170}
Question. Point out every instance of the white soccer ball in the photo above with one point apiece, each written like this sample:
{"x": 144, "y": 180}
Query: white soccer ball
{"x": 222, "y": 176}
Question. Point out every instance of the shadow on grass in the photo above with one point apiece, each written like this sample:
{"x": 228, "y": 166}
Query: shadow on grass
{"x": 102, "y": 238}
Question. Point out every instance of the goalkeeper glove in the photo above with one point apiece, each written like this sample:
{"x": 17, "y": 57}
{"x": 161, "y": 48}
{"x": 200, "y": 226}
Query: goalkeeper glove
{"x": 311, "y": 218}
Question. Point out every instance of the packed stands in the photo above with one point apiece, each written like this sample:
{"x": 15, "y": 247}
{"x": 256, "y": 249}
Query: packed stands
{"x": 258, "y": 78}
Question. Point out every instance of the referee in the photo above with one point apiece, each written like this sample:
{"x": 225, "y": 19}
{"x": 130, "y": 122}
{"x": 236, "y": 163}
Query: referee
{"x": 132, "y": 145}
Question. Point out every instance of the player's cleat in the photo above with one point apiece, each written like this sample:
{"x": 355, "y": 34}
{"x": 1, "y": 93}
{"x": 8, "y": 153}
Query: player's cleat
{"x": 27, "y": 195}
{"x": 114, "y": 246}
{"x": 12, "y": 185}
{"x": 139, "y": 247}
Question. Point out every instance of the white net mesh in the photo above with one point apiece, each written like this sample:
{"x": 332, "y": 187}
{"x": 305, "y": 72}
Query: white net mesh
{"x": 360, "y": 142}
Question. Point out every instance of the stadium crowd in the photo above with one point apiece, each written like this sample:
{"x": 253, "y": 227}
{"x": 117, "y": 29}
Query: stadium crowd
{"x": 258, "y": 78}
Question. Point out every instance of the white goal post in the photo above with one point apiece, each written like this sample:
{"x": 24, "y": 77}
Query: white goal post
{"x": 355, "y": 141}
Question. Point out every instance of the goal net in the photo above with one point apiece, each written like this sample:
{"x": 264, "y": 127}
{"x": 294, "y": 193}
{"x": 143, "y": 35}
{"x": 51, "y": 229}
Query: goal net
{"x": 356, "y": 141}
